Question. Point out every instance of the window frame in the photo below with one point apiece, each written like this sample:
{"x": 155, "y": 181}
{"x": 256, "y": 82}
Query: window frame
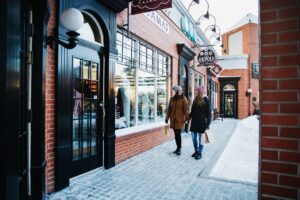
{"x": 143, "y": 64}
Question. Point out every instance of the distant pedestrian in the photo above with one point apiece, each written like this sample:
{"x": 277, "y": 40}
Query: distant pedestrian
{"x": 201, "y": 117}
{"x": 178, "y": 114}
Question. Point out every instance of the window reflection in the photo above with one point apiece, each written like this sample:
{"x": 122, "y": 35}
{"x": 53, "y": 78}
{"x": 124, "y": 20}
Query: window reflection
{"x": 161, "y": 97}
{"x": 145, "y": 90}
{"x": 229, "y": 87}
{"x": 85, "y": 101}
{"x": 145, "y": 97}
{"x": 125, "y": 96}
{"x": 85, "y": 70}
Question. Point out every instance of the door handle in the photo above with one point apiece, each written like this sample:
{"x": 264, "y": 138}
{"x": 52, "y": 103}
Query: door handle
{"x": 101, "y": 106}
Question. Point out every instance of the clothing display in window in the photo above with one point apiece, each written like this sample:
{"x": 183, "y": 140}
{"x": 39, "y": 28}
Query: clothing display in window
{"x": 123, "y": 107}
{"x": 77, "y": 102}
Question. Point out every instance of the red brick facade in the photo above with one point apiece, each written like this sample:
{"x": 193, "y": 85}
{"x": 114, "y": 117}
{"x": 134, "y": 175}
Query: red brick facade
{"x": 133, "y": 144}
{"x": 250, "y": 47}
{"x": 280, "y": 73}
{"x": 50, "y": 105}
{"x": 136, "y": 143}
{"x": 280, "y": 84}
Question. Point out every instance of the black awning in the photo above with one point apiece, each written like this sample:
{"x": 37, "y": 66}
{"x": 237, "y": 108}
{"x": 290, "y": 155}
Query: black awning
{"x": 116, "y": 5}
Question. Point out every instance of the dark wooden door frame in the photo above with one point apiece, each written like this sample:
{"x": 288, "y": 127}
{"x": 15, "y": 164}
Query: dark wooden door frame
{"x": 234, "y": 80}
{"x": 106, "y": 16}
{"x": 185, "y": 56}
{"x": 13, "y": 62}
{"x": 235, "y": 111}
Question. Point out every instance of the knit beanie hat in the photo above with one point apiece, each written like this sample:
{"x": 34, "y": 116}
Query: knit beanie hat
{"x": 177, "y": 88}
{"x": 200, "y": 89}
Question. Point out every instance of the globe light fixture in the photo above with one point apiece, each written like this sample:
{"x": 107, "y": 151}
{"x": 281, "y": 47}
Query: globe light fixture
{"x": 72, "y": 19}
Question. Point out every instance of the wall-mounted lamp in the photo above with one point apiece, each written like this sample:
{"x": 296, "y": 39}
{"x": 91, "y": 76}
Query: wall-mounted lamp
{"x": 206, "y": 16}
{"x": 72, "y": 20}
{"x": 249, "y": 92}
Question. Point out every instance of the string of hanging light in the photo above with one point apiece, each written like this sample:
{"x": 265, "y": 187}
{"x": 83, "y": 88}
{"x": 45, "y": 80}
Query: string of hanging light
{"x": 214, "y": 28}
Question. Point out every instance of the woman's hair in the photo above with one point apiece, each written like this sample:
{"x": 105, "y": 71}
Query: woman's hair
{"x": 199, "y": 99}
{"x": 177, "y": 96}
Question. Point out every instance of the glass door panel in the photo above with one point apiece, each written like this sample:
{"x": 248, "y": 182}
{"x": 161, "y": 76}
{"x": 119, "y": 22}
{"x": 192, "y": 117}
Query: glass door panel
{"x": 229, "y": 104}
{"x": 85, "y": 110}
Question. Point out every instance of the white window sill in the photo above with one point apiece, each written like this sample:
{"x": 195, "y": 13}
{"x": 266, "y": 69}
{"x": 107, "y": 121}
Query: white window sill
{"x": 140, "y": 128}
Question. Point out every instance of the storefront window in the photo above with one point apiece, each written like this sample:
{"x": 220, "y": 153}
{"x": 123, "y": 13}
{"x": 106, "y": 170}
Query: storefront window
{"x": 145, "y": 97}
{"x": 124, "y": 96}
{"x": 143, "y": 58}
{"x": 214, "y": 87}
{"x": 161, "y": 97}
{"x": 148, "y": 96}
{"x": 125, "y": 47}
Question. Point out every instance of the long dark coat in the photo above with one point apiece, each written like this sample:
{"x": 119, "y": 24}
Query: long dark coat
{"x": 201, "y": 116}
{"x": 177, "y": 112}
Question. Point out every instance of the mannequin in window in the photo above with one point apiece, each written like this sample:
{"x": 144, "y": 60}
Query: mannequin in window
{"x": 119, "y": 106}
{"x": 145, "y": 109}
{"x": 124, "y": 97}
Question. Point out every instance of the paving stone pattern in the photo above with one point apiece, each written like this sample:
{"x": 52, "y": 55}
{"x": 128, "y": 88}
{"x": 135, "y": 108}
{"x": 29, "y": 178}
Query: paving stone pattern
{"x": 159, "y": 174}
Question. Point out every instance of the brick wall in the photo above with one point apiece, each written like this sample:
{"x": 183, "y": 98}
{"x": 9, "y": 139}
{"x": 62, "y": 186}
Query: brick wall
{"x": 280, "y": 101}
{"x": 250, "y": 47}
{"x": 134, "y": 144}
{"x": 130, "y": 145}
{"x": 50, "y": 104}
{"x": 243, "y": 100}
{"x": 148, "y": 31}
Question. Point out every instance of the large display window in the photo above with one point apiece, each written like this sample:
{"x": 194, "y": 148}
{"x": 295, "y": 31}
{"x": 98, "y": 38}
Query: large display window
{"x": 141, "y": 84}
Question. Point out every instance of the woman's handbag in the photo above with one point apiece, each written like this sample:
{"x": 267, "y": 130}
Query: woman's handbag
{"x": 207, "y": 137}
{"x": 166, "y": 130}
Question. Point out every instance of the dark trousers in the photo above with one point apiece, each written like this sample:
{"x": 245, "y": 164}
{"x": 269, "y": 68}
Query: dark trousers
{"x": 177, "y": 133}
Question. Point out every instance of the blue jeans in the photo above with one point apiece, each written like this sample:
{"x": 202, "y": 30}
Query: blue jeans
{"x": 197, "y": 147}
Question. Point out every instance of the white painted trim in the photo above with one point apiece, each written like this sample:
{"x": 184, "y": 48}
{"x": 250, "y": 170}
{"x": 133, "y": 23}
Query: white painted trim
{"x": 233, "y": 61}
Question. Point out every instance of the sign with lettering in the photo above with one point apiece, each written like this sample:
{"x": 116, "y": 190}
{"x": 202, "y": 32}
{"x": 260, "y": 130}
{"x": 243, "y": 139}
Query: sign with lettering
{"x": 158, "y": 21}
{"x": 206, "y": 57}
{"x": 141, "y": 6}
{"x": 216, "y": 69}
{"x": 188, "y": 28}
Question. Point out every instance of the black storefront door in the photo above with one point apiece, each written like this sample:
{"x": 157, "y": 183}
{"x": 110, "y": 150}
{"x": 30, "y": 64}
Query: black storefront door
{"x": 229, "y": 104}
{"x": 86, "y": 109}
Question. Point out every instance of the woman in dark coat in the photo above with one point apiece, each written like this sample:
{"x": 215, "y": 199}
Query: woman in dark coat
{"x": 178, "y": 115}
{"x": 201, "y": 117}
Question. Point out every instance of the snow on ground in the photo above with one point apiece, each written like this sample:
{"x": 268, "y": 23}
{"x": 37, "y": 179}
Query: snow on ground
{"x": 239, "y": 160}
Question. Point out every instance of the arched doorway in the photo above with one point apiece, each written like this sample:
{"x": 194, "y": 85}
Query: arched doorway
{"x": 80, "y": 103}
{"x": 87, "y": 101}
{"x": 229, "y": 96}
{"x": 229, "y": 100}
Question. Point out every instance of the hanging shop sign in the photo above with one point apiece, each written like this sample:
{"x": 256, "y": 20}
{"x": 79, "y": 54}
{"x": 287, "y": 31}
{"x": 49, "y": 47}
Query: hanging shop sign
{"x": 158, "y": 21}
{"x": 216, "y": 69}
{"x": 188, "y": 28}
{"x": 141, "y": 6}
{"x": 206, "y": 57}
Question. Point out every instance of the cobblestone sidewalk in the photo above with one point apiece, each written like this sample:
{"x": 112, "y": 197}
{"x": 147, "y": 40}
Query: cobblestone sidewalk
{"x": 159, "y": 174}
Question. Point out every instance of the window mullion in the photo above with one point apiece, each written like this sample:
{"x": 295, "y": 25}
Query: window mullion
{"x": 137, "y": 45}
{"x": 154, "y": 54}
